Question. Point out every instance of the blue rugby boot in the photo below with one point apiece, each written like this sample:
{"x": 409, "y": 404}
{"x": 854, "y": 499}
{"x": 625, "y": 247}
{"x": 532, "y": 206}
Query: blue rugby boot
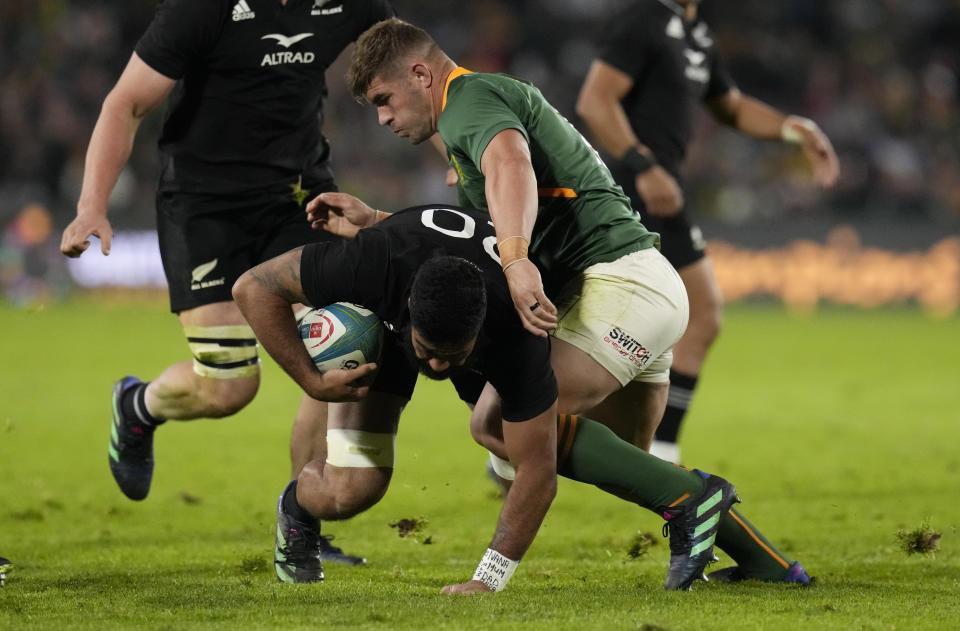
{"x": 131, "y": 447}
{"x": 733, "y": 574}
{"x": 693, "y": 529}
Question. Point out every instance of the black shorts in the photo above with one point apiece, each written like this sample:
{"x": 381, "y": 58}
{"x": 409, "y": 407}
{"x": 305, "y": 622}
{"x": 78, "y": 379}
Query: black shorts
{"x": 395, "y": 375}
{"x": 208, "y": 241}
{"x": 681, "y": 242}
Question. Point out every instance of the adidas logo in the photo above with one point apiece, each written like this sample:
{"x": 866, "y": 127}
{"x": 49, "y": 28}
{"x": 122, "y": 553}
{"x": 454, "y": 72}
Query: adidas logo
{"x": 241, "y": 11}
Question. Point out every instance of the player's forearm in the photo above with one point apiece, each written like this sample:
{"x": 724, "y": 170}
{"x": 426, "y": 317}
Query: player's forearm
{"x": 108, "y": 152}
{"x": 523, "y": 511}
{"x": 511, "y": 192}
{"x": 269, "y": 314}
{"x": 756, "y": 118}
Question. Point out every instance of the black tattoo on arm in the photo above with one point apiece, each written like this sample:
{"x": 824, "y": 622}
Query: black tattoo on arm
{"x": 281, "y": 275}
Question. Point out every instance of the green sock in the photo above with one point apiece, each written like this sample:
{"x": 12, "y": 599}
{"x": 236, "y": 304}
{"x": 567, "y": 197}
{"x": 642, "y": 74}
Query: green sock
{"x": 757, "y": 557}
{"x": 590, "y": 452}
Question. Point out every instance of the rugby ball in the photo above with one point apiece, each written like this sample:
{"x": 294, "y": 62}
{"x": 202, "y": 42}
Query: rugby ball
{"x": 341, "y": 336}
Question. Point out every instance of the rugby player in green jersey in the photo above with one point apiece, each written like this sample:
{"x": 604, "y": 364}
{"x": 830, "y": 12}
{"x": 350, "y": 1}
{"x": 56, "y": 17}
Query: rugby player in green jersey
{"x": 557, "y": 212}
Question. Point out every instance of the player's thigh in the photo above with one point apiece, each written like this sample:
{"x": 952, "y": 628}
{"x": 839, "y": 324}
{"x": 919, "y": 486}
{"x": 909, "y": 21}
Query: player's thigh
{"x": 633, "y": 412}
{"x": 225, "y": 355}
{"x": 361, "y": 445}
{"x": 706, "y": 300}
{"x": 486, "y": 421}
{"x": 626, "y": 316}
{"x": 223, "y": 313}
{"x": 582, "y": 381}
{"x": 361, "y": 435}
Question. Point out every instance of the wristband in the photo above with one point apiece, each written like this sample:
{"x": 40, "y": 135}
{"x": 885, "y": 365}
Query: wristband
{"x": 507, "y": 266}
{"x": 495, "y": 570}
{"x": 788, "y": 131}
{"x": 513, "y": 249}
{"x": 638, "y": 162}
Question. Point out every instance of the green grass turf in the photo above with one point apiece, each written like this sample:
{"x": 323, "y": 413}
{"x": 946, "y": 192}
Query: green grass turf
{"x": 839, "y": 428}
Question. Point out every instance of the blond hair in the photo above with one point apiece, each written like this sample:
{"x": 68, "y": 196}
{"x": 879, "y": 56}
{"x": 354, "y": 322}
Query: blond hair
{"x": 382, "y": 48}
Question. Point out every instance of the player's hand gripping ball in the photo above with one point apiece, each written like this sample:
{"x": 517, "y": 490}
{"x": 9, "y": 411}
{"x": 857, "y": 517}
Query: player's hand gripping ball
{"x": 341, "y": 336}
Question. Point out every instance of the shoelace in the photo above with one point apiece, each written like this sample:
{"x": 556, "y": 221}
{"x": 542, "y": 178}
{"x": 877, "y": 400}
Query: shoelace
{"x": 300, "y": 542}
{"x": 676, "y": 546}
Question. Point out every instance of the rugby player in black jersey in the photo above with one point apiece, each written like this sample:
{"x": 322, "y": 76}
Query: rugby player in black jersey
{"x": 658, "y": 62}
{"x": 240, "y": 150}
{"x": 432, "y": 275}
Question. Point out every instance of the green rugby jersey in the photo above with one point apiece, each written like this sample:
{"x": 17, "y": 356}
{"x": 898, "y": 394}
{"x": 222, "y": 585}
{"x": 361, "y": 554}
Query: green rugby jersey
{"x": 584, "y": 217}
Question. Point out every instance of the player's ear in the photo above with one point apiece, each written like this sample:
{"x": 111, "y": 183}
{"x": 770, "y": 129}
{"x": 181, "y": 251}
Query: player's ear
{"x": 422, "y": 74}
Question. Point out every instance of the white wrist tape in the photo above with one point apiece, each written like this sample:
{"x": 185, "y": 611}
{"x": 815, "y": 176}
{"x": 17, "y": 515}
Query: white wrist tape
{"x": 495, "y": 570}
{"x": 789, "y": 132}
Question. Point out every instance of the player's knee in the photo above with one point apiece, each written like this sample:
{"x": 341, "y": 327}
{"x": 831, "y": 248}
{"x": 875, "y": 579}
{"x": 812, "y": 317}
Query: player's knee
{"x": 483, "y": 429}
{"x": 359, "y": 467}
{"x": 331, "y": 492}
{"x": 224, "y": 397}
{"x": 226, "y": 359}
{"x": 358, "y": 498}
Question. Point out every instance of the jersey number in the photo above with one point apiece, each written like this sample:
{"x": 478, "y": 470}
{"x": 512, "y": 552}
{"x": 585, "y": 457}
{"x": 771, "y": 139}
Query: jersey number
{"x": 466, "y": 232}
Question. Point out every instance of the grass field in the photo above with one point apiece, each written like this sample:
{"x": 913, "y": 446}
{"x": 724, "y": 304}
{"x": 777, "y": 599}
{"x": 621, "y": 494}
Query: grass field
{"x": 838, "y": 428}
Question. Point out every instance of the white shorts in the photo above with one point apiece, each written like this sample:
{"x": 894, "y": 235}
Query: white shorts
{"x": 626, "y": 315}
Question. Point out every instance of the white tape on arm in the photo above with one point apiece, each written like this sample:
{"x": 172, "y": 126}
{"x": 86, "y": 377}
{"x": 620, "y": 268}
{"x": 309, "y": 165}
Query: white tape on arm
{"x": 790, "y": 133}
{"x": 495, "y": 570}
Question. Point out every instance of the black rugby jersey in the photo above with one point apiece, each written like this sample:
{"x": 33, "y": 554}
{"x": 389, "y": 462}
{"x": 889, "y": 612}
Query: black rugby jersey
{"x": 247, "y": 108}
{"x": 376, "y": 269}
{"x": 674, "y": 65}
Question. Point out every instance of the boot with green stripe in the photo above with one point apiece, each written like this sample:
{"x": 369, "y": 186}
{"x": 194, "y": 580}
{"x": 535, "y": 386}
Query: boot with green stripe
{"x": 131, "y": 446}
{"x": 5, "y": 566}
{"x": 692, "y": 528}
{"x": 296, "y": 557}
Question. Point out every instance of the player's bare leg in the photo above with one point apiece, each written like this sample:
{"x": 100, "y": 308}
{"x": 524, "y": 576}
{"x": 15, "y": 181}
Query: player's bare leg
{"x": 220, "y": 380}
{"x": 308, "y": 439}
{"x": 308, "y": 444}
{"x": 353, "y": 476}
{"x": 583, "y": 383}
{"x": 181, "y": 393}
{"x": 706, "y": 311}
{"x": 633, "y": 412}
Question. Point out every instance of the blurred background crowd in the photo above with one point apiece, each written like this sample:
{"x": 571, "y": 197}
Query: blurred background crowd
{"x": 882, "y": 78}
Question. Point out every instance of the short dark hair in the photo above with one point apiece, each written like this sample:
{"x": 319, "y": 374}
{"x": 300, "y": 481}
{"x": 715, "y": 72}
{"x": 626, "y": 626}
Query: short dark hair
{"x": 448, "y": 301}
{"x": 380, "y": 48}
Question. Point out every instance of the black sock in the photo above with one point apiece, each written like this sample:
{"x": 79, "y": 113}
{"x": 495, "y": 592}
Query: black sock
{"x": 133, "y": 404}
{"x": 681, "y": 393}
{"x": 292, "y": 507}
